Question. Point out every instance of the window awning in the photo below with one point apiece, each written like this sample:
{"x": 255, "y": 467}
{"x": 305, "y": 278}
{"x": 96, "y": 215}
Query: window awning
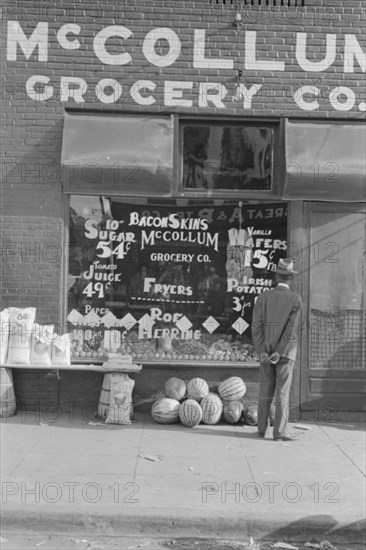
{"x": 117, "y": 154}
{"x": 325, "y": 161}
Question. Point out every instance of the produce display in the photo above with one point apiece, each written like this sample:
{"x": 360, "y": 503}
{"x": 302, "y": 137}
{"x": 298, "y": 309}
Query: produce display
{"x": 165, "y": 349}
{"x": 165, "y": 410}
{"x": 251, "y": 415}
{"x": 81, "y": 347}
{"x": 212, "y": 408}
{"x": 232, "y": 389}
{"x": 175, "y": 388}
{"x": 190, "y": 413}
{"x": 233, "y": 411}
{"x": 197, "y": 388}
{"x": 209, "y": 409}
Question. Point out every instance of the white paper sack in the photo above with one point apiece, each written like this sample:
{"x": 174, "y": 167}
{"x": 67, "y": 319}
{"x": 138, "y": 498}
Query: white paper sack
{"x": 121, "y": 407}
{"x": 61, "y": 350}
{"x": 4, "y": 335}
{"x": 41, "y": 344}
{"x": 20, "y": 329}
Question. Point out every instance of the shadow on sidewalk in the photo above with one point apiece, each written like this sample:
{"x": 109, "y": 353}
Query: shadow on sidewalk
{"x": 321, "y": 527}
{"x": 86, "y": 419}
{"x": 142, "y": 421}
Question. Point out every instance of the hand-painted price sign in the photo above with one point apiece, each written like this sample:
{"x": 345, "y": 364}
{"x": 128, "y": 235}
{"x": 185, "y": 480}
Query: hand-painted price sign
{"x": 95, "y": 288}
{"x": 240, "y": 304}
{"x": 260, "y": 255}
{"x": 120, "y": 251}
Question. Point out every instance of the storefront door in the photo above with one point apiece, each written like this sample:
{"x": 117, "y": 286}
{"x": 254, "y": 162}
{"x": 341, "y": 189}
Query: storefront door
{"x": 334, "y": 343}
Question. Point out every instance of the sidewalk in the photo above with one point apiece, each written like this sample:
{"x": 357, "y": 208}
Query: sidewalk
{"x": 210, "y": 480}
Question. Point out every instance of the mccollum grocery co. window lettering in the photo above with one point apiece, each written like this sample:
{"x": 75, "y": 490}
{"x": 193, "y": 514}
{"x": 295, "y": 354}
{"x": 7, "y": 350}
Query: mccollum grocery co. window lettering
{"x": 169, "y": 279}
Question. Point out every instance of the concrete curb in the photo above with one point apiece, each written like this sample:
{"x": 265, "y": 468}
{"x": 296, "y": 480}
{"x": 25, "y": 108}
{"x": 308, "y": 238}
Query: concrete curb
{"x": 147, "y": 522}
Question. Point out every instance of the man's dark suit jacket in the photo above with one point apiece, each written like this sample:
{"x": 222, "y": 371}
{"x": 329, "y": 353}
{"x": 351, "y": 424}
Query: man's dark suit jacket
{"x": 276, "y": 322}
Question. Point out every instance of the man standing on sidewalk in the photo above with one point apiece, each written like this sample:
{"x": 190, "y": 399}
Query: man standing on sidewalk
{"x": 275, "y": 331}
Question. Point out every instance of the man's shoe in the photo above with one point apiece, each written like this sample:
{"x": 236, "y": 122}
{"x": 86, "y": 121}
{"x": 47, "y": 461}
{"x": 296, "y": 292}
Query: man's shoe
{"x": 286, "y": 437}
{"x": 261, "y": 435}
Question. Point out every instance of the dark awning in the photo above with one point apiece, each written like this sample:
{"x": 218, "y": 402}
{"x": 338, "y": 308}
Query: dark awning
{"x": 117, "y": 154}
{"x": 325, "y": 161}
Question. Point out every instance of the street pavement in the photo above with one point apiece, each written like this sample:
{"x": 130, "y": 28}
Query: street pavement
{"x": 77, "y": 475}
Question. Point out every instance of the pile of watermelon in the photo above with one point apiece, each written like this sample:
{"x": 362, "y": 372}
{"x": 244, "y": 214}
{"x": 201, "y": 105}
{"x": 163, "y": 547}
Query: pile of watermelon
{"x": 193, "y": 403}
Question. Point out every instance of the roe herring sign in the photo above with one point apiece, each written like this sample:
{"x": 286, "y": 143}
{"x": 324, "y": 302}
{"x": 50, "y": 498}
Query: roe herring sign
{"x": 340, "y": 53}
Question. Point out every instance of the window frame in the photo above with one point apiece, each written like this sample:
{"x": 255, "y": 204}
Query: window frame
{"x": 245, "y": 194}
{"x": 185, "y": 362}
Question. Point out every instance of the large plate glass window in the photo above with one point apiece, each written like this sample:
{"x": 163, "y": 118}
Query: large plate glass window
{"x": 169, "y": 280}
{"x": 227, "y": 156}
{"x": 337, "y": 297}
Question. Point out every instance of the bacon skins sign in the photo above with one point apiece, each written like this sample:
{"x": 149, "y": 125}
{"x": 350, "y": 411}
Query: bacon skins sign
{"x": 338, "y": 53}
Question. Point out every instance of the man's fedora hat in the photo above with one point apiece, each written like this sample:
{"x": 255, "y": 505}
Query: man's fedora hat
{"x": 285, "y": 267}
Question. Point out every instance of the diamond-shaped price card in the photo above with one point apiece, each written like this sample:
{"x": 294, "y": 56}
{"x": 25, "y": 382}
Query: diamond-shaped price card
{"x": 91, "y": 318}
{"x": 75, "y": 318}
{"x": 109, "y": 320}
{"x": 146, "y": 322}
{"x": 240, "y": 325}
{"x": 127, "y": 321}
{"x": 183, "y": 324}
{"x": 211, "y": 324}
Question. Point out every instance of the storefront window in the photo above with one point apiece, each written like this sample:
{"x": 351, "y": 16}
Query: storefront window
{"x": 337, "y": 290}
{"x": 169, "y": 279}
{"x": 231, "y": 157}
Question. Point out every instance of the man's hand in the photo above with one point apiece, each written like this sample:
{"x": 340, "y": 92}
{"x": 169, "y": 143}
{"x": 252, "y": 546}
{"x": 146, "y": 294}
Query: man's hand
{"x": 275, "y": 357}
{"x": 264, "y": 359}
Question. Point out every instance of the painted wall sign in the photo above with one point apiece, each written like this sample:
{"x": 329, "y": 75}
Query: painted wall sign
{"x": 342, "y": 54}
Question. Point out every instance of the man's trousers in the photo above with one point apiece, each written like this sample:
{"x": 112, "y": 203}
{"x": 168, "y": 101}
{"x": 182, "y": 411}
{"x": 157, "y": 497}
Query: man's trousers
{"x": 275, "y": 382}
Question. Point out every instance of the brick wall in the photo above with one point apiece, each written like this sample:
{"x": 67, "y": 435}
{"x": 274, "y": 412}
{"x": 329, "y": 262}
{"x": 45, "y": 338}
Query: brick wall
{"x": 31, "y": 265}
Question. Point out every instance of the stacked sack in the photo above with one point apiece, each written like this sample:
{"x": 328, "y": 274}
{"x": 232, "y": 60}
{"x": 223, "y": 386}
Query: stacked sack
{"x": 120, "y": 403}
{"x": 115, "y": 402}
{"x": 193, "y": 403}
{"x": 7, "y": 395}
{"x": 25, "y": 342}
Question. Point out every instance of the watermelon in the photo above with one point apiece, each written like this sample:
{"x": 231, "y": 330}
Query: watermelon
{"x": 232, "y": 389}
{"x": 190, "y": 413}
{"x": 197, "y": 388}
{"x": 211, "y": 409}
{"x": 175, "y": 388}
{"x": 233, "y": 411}
{"x": 251, "y": 415}
{"x": 165, "y": 410}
